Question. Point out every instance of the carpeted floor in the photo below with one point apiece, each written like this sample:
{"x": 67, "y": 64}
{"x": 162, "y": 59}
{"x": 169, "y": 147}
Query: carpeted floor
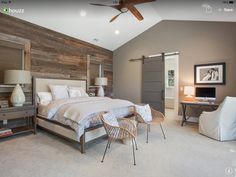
{"x": 184, "y": 153}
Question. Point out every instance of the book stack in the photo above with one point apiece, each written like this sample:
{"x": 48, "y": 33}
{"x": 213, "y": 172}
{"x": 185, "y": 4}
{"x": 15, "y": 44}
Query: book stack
{"x": 4, "y": 132}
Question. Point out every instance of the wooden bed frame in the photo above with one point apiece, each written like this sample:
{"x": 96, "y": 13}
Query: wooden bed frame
{"x": 40, "y": 84}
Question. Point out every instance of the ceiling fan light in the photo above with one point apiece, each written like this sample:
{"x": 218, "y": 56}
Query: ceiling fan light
{"x": 124, "y": 9}
{"x": 83, "y": 13}
{"x": 117, "y": 32}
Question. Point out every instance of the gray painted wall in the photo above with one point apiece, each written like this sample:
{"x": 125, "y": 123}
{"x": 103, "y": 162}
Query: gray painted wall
{"x": 197, "y": 42}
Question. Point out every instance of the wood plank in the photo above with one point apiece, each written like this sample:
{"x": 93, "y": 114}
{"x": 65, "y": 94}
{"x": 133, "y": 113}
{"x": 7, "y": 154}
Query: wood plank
{"x": 54, "y": 54}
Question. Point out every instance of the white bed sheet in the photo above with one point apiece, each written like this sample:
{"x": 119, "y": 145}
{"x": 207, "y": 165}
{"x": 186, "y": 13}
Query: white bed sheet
{"x": 81, "y": 113}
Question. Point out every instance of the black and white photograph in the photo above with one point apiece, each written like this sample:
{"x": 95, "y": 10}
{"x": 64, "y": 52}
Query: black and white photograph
{"x": 210, "y": 74}
{"x": 171, "y": 78}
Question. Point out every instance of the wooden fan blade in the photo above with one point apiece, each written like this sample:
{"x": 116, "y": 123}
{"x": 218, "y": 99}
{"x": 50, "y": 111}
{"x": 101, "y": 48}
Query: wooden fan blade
{"x": 115, "y": 17}
{"x": 137, "y": 1}
{"x": 117, "y": 7}
{"x": 94, "y": 4}
{"x": 135, "y": 12}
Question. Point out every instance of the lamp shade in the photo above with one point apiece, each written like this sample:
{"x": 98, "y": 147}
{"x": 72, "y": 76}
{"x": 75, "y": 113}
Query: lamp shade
{"x": 17, "y": 77}
{"x": 101, "y": 81}
{"x": 189, "y": 90}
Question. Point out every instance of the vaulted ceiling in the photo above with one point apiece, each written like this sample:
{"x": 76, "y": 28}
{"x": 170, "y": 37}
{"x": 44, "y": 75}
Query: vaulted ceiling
{"x": 91, "y": 23}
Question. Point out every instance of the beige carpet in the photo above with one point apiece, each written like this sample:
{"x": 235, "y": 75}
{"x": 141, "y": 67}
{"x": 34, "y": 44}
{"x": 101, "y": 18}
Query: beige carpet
{"x": 184, "y": 153}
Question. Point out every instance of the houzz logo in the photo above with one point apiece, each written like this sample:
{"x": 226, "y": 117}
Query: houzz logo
{"x": 5, "y": 10}
{"x": 13, "y": 11}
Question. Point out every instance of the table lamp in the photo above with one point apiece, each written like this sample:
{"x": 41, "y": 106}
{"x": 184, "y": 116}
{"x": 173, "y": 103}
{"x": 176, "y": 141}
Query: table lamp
{"x": 189, "y": 92}
{"x": 101, "y": 81}
{"x": 17, "y": 77}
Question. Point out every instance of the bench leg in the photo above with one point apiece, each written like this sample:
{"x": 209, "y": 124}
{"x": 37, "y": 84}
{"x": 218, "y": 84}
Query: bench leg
{"x": 82, "y": 144}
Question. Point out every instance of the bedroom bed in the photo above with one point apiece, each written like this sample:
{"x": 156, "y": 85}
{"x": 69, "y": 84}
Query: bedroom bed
{"x": 75, "y": 118}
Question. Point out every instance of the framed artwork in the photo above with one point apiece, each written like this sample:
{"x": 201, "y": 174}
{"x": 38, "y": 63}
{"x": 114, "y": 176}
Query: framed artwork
{"x": 210, "y": 74}
{"x": 171, "y": 78}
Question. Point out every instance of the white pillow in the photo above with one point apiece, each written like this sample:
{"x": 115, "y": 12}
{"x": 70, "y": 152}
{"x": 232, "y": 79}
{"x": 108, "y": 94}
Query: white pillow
{"x": 44, "y": 98}
{"x": 111, "y": 119}
{"x": 77, "y": 92}
{"x": 144, "y": 111}
{"x": 74, "y": 92}
{"x": 59, "y": 91}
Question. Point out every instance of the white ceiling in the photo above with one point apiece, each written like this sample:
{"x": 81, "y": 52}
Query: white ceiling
{"x": 64, "y": 17}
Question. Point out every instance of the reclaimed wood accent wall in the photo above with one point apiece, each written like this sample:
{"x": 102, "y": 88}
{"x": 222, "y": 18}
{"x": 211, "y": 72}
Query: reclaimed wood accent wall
{"x": 55, "y": 54}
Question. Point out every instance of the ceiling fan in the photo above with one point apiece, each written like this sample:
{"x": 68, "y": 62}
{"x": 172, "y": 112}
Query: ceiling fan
{"x": 126, "y": 5}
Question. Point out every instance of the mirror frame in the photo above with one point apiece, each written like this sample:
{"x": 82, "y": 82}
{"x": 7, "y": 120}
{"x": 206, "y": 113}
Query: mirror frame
{"x": 19, "y": 43}
{"x": 91, "y": 60}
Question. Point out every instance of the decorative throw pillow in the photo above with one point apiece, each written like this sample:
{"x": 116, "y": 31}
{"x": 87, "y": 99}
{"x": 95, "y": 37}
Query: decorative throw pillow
{"x": 111, "y": 119}
{"x": 74, "y": 92}
{"x": 59, "y": 92}
{"x": 77, "y": 92}
{"x": 144, "y": 111}
{"x": 44, "y": 98}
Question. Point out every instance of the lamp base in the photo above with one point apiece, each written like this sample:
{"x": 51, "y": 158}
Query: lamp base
{"x": 17, "y": 96}
{"x": 100, "y": 92}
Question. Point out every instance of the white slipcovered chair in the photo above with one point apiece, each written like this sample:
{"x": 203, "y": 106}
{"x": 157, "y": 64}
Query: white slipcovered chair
{"x": 220, "y": 124}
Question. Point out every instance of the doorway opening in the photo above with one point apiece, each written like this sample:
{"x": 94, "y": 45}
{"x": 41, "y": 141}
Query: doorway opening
{"x": 172, "y": 84}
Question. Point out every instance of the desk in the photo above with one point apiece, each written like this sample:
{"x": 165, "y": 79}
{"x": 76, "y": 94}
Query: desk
{"x": 186, "y": 104}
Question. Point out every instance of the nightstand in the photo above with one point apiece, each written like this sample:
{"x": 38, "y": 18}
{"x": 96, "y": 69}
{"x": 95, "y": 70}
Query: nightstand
{"x": 26, "y": 112}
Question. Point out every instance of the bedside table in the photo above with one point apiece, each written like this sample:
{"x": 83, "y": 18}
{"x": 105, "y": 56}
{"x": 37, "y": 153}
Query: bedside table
{"x": 26, "y": 112}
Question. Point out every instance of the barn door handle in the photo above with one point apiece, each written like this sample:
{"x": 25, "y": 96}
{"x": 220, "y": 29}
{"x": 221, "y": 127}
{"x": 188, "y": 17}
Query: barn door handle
{"x": 162, "y": 95}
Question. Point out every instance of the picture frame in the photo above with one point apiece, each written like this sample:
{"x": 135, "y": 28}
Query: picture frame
{"x": 210, "y": 74}
{"x": 171, "y": 78}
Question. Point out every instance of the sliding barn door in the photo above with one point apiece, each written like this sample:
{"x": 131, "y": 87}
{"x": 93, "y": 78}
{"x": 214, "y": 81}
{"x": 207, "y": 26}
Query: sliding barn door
{"x": 153, "y": 82}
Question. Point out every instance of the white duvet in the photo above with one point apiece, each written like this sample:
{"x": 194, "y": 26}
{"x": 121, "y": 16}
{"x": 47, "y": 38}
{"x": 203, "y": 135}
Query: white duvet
{"x": 80, "y": 113}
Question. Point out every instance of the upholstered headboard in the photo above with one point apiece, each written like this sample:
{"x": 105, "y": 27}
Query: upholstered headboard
{"x": 42, "y": 84}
